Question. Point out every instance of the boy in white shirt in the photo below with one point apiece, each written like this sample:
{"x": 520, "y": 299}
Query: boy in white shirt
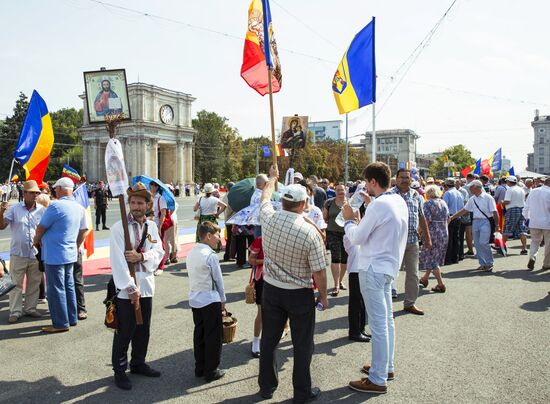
{"x": 207, "y": 300}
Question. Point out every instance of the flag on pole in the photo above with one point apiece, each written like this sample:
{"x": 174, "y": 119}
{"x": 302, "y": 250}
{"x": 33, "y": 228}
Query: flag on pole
{"x": 15, "y": 178}
{"x": 71, "y": 173}
{"x": 466, "y": 170}
{"x": 510, "y": 172}
{"x": 279, "y": 151}
{"x": 485, "y": 167}
{"x": 260, "y": 50}
{"x": 81, "y": 196}
{"x": 354, "y": 83}
{"x": 266, "y": 151}
{"x": 477, "y": 169}
{"x": 496, "y": 163}
{"x": 36, "y": 140}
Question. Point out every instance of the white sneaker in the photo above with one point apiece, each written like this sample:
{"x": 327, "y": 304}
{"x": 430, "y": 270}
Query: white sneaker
{"x": 159, "y": 272}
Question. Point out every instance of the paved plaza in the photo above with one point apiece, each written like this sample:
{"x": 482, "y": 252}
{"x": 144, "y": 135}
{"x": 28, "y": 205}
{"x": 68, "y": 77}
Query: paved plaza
{"x": 484, "y": 341}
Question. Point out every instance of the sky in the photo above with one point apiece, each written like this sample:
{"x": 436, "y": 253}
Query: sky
{"x": 478, "y": 82}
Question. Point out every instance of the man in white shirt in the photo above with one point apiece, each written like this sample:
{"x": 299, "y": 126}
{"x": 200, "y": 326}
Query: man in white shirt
{"x": 537, "y": 210}
{"x": 514, "y": 223}
{"x": 23, "y": 219}
{"x": 207, "y": 300}
{"x": 146, "y": 254}
{"x": 382, "y": 235}
{"x": 483, "y": 206}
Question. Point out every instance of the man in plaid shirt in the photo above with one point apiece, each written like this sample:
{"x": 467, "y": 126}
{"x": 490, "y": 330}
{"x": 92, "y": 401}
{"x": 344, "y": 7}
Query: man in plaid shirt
{"x": 293, "y": 252}
{"x": 415, "y": 204}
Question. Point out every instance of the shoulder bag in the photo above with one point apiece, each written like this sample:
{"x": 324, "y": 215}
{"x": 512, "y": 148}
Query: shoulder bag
{"x": 110, "y": 302}
{"x": 198, "y": 213}
{"x": 491, "y": 222}
{"x": 6, "y": 282}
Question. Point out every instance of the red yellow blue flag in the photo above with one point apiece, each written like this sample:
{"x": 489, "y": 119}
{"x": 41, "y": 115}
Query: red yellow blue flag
{"x": 260, "y": 50}
{"x": 354, "y": 83}
{"x": 71, "y": 173}
{"x": 36, "y": 140}
{"x": 81, "y": 196}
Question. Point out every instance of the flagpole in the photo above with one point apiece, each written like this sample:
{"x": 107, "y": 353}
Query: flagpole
{"x": 373, "y": 132}
{"x": 346, "y": 155}
{"x": 11, "y": 169}
{"x": 273, "y": 144}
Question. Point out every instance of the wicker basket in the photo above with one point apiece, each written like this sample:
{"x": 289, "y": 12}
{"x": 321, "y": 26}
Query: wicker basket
{"x": 229, "y": 328}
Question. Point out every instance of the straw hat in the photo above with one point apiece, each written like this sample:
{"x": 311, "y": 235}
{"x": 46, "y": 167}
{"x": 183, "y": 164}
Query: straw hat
{"x": 139, "y": 190}
{"x": 30, "y": 186}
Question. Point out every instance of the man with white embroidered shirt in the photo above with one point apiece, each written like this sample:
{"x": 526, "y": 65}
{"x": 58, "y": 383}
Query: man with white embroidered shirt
{"x": 514, "y": 223}
{"x": 382, "y": 235}
{"x": 483, "y": 207}
{"x": 146, "y": 254}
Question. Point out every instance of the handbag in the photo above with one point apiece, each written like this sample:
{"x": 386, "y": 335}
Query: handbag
{"x": 110, "y": 302}
{"x": 6, "y": 282}
{"x": 250, "y": 290}
{"x": 491, "y": 222}
{"x": 167, "y": 220}
{"x": 198, "y": 213}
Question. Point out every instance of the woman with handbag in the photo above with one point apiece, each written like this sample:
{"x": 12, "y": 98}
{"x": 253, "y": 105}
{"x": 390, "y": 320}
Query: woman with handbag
{"x": 208, "y": 208}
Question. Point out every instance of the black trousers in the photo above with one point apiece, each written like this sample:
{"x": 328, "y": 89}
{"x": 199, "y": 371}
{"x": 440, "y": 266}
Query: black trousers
{"x": 79, "y": 284}
{"x": 453, "y": 246}
{"x": 230, "y": 238}
{"x": 207, "y": 338}
{"x": 278, "y": 305}
{"x": 243, "y": 242}
{"x": 101, "y": 214}
{"x": 357, "y": 312}
{"x": 461, "y": 235}
{"x": 128, "y": 332}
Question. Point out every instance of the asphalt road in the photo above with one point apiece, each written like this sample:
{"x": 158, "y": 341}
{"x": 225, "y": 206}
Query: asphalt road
{"x": 484, "y": 341}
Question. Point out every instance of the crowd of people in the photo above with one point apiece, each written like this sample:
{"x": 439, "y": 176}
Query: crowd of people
{"x": 402, "y": 224}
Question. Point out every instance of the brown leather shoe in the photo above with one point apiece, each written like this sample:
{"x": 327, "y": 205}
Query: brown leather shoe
{"x": 366, "y": 368}
{"x": 366, "y": 386}
{"x": 414, "y": 310}
{"x": 54, "y": 330}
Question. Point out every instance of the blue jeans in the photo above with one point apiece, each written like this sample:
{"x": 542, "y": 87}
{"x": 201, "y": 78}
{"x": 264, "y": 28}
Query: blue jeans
{"x": 376, "y": 290}
{"x": 61, "y": 295}
{"x": 481, "y": 229}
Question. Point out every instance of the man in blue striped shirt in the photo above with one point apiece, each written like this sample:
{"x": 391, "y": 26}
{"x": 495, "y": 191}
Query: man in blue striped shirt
{"x": 455, "y": 201}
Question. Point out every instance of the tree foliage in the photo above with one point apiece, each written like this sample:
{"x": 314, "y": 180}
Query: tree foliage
{"x": 458, "y": 154}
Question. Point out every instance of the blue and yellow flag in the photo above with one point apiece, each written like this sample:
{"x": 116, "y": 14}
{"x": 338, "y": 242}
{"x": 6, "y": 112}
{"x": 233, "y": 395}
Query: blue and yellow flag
{"x": 354, "y": 83}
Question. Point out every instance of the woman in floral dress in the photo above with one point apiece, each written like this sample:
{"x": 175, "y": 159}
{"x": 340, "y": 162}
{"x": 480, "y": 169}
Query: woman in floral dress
{"x": 436, "y": 213}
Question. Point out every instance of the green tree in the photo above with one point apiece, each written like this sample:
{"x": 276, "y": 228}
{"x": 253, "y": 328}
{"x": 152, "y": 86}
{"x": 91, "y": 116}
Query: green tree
{"x": 209, "y": 159}
{"x": 458, "y": 154}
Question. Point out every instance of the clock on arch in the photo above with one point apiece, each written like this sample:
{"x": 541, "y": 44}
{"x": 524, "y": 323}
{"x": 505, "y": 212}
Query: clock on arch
{"x": 166, "y": 114}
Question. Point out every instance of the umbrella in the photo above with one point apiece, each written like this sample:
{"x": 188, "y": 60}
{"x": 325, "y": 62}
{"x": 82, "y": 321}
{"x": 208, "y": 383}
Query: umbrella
{"x": 170, "y": 200}
{"x": 239, "y": 195}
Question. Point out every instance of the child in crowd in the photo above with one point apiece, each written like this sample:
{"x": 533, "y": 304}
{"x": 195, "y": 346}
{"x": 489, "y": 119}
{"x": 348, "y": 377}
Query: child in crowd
{"x": 207, "y": 300}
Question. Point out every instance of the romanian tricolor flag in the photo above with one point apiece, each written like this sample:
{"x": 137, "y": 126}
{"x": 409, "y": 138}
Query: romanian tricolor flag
{"x": 15, "y": 178}
{"x": 81, "y": 196}
{"x": 70, "y": 173}
{"x": 279, "y": 151}
{"x": 465, "y": 171}
{"x": 354, "y": 83}
{"x": 36, "y": 140}
{"x": 260, "y": 50}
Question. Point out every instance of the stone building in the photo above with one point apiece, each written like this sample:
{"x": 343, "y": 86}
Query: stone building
{"x": 540, "y": 160}
{"x": 157, "y": 141}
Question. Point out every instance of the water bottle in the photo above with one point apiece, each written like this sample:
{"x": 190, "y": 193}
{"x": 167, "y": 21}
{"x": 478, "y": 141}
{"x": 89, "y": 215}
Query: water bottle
{"x": 355, "y": 202}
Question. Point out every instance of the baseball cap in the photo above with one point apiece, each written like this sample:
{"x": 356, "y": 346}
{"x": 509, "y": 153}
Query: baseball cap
{"x": 295, "y": 193}
{"x": 450, "y": 181}
{"x": 64, "y": 182}
{"x": 511, "y": 178}
{"x": 299, "y": 176}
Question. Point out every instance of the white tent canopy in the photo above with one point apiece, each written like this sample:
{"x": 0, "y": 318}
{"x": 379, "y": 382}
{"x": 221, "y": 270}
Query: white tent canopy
{"x": 530, "y": 174}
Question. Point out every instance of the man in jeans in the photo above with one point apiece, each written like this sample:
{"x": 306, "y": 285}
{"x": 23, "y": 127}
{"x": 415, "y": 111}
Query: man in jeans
{"x": 293, "y": 251}
{"x": 415, "y": 204}
{"x": 23, "y": 219}
{"x": 382, "y": 237}
{"x": 483, "y": 206}
{"x": 60, "y": 233}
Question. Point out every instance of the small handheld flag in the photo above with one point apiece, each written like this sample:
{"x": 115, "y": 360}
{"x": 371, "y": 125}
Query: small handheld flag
{"x": 81, "y": 196}
{"x": 354, "y": 83}
{"x": 36, "y": 140}
{"x": 71, "y": 173}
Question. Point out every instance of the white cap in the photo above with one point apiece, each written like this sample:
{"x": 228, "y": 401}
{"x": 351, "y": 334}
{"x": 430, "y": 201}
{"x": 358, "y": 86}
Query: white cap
{"x": 299, "y": 176}
{"x": 208, "y": 188}
{"x": 511, "y": 178}
{"x": 295, "y": 193}
{"x": 64, "y": 182}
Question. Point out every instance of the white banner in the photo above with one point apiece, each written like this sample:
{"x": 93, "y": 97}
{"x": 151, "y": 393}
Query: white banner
{"x": 116, "y": 170}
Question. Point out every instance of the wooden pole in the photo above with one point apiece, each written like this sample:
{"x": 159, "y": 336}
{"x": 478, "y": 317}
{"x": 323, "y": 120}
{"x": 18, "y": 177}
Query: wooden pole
{"x": 346, "y": 162}
{"x": 11, "y": 170}
{"x": 273, "y": 144}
